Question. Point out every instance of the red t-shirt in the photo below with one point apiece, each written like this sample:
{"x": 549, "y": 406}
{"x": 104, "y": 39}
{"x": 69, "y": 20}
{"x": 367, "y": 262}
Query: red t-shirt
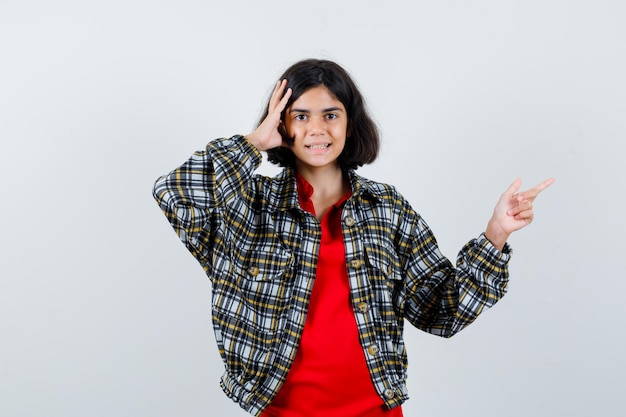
{"x": 329, "y": 376}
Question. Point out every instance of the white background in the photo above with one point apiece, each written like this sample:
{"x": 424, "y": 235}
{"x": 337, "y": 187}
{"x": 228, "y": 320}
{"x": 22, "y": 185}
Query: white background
{"x": 104, "y": 313}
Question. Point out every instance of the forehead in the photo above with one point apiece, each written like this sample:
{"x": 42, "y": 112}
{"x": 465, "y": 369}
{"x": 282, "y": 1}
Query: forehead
{"x": 316, "y": 98}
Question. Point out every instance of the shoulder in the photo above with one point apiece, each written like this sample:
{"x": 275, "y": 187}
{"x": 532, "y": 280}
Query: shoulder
{"x": 378, "y": 190}
{"x": 277, "y": 192}
{"x": 385, "y": 200}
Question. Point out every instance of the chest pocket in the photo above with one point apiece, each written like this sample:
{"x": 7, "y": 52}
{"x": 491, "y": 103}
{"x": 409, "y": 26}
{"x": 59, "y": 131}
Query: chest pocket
{"x": 263, "y": 278}
{"x": 385, "y": 276}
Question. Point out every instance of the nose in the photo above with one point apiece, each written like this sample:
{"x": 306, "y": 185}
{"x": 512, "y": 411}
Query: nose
{"x": 316, "y": 125}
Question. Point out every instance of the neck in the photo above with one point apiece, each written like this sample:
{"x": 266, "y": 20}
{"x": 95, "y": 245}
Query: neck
{"x": 325, "y": 182}
{"x": 328, "y": 185}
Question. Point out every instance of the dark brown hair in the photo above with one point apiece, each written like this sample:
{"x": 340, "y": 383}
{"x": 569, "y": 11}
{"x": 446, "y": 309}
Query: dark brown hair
{"x": 363, "y": 142}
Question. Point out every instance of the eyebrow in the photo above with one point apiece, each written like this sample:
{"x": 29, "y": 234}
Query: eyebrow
{"x": 329, "y": 109}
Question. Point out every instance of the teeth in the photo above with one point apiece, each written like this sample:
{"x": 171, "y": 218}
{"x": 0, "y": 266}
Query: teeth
{"x": 324, "y": 146}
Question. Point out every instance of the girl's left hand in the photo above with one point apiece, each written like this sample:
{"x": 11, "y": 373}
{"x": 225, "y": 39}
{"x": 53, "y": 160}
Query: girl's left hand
{"x": 513, "y": 211}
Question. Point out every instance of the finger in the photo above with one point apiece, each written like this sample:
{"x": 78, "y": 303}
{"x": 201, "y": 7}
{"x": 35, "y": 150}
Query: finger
{"x": 275, "y": 95}
{"x": 521, "y": 206}
{"x": 544, "y": 185}
{"x": 526, "y": 215}
{"x": 532, "y": 193}
{"x": 280, "y": 105}
{"x": 513, "y": 188}
{"x": 284, "y": 100}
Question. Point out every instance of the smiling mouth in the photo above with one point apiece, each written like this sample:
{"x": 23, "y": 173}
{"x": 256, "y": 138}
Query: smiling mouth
{"x": 320, "y": 146}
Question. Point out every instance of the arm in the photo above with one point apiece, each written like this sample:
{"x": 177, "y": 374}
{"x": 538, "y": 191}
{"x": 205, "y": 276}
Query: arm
{"x": 441, "y": 299}
{"x": 190, "y": 195}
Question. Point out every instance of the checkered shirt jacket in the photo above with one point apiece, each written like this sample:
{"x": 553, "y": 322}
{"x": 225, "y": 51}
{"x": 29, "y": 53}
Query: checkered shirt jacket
{"x": 259, "y": 249}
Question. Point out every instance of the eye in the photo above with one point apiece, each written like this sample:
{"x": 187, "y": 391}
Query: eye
{"x": 331, "y": 116}
{"x": 300, "y": 117}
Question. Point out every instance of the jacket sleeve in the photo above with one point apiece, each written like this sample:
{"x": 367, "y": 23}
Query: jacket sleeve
{"x": 191, "y": 195}
{"x": 442, "y": 299}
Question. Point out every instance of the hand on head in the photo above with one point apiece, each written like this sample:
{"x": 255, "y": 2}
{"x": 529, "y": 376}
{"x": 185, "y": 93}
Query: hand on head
{"x": 267, "y": 135}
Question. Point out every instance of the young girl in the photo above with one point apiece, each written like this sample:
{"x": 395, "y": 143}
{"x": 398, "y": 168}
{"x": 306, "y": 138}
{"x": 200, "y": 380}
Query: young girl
{"x": 315, "y": 270}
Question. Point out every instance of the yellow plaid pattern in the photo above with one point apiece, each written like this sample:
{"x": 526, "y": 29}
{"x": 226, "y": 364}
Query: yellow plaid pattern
{"x": 259, "y": 249}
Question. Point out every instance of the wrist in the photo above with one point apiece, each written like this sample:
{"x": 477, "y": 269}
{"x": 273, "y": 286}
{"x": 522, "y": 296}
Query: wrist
{"x": 496, "y": 235}
{"x": 252, "y": 138}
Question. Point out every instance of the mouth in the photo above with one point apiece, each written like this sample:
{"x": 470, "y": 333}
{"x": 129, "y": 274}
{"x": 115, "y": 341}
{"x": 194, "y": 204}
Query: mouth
{"x": 318, "y": 146}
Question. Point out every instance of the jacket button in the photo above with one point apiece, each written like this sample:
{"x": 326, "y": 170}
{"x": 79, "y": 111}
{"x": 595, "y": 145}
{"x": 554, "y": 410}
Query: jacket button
{"x": 389, "y": 394}
{"x": 349, "y": 221}
{"x": 356, "y": 263}
{"x": 363, "y": 307}
{"x": 253, "y": 270}
{"x": 373, "y": 350}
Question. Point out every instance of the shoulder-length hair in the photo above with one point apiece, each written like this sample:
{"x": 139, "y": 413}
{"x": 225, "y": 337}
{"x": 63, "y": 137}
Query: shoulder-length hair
{"x": 362, "y": 144}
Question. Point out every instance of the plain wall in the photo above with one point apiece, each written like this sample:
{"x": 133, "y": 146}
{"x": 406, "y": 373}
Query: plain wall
{"x": 103, "y": 312}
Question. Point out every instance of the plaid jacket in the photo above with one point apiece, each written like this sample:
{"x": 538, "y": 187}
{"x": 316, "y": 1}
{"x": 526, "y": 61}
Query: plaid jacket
{"x": 259, "y": 249}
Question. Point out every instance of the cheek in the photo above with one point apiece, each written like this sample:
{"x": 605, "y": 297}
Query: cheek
{"x": 341, "y": 131}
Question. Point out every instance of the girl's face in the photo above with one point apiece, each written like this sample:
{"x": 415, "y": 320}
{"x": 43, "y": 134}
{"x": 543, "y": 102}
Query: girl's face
{"x": 318, "y": 122}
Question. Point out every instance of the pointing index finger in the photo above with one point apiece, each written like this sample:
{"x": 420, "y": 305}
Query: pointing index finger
{"x": 542, "y": 186}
